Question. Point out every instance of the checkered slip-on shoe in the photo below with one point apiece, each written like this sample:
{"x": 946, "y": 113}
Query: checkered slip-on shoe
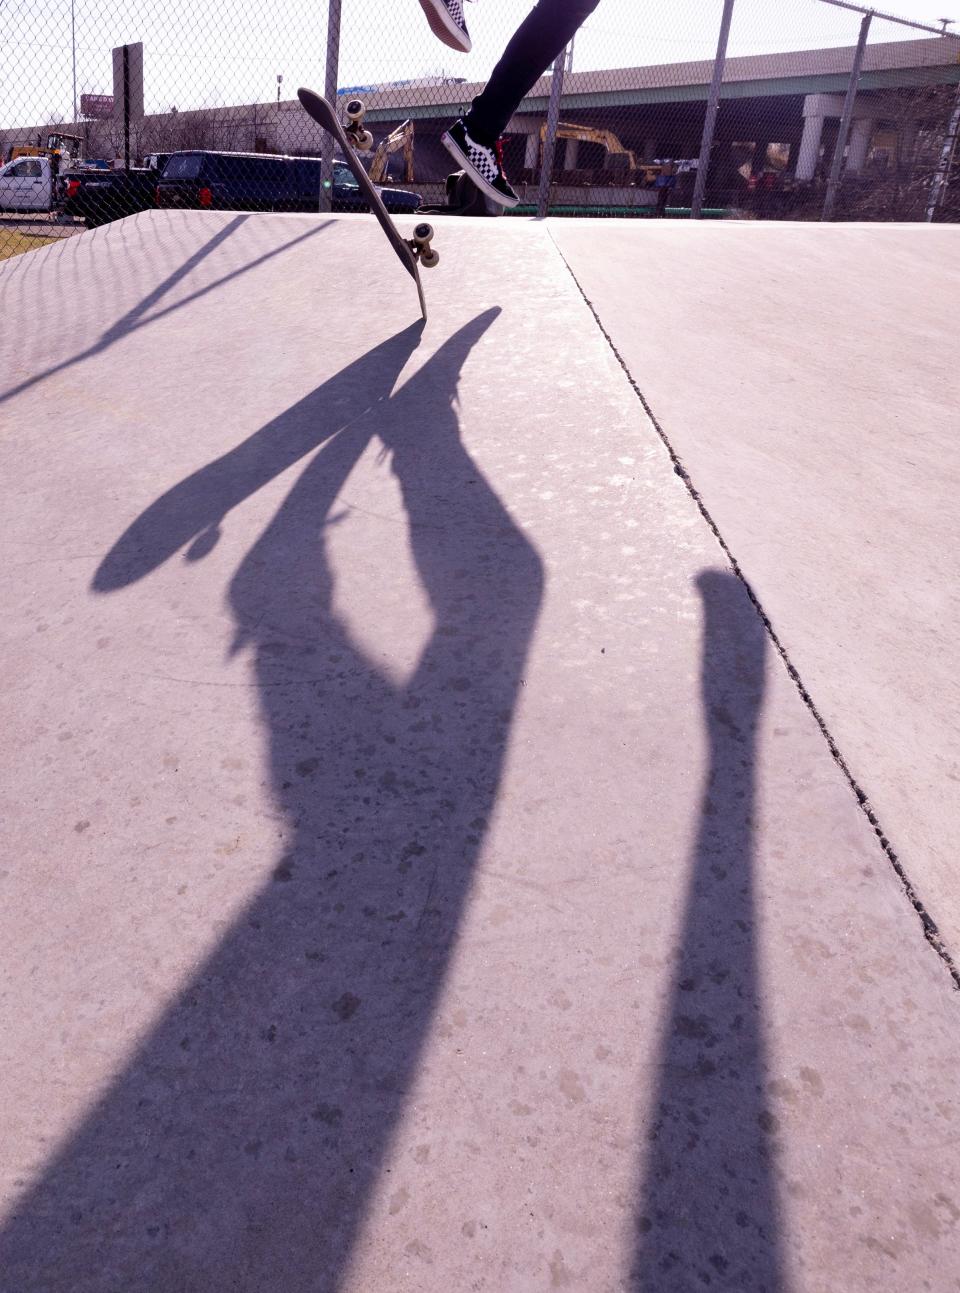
{"x": 483, "y": 165}
{"x": 447, "y": 23}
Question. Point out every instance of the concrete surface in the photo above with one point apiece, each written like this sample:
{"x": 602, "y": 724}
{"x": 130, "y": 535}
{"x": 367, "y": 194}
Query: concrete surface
{"x": 420, "y": 871}
{"x": 805, "y": 379}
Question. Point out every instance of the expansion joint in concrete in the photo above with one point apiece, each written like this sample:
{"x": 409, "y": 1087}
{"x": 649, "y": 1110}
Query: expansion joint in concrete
{"x": 929, "y": 926}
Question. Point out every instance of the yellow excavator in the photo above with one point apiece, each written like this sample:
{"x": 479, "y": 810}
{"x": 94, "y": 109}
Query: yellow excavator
{"x": 401, "y": 138}
{"x": 608, "y": 140}
{"x": 62, "y": 148}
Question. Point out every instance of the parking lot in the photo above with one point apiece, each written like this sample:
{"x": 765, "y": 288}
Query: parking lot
{"x": 38, "y": 224}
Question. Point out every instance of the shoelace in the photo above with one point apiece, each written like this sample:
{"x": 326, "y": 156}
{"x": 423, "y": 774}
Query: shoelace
{"x": 498, "y": 151}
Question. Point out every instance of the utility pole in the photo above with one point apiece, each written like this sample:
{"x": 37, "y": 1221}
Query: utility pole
{"x": 713, "y": 104}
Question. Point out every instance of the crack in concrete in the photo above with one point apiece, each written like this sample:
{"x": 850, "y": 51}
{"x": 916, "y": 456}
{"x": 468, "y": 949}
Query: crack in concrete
{"x": 930, "y": 931}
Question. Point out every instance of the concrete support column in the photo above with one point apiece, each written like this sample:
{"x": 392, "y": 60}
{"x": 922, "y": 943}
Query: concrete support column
{"x": 860, "y": 137}
{"x": 809, "y": 155}
{"x": 531, "y": 155}
{"x": 571, "y": 154}
{"x": 908, "y": 146}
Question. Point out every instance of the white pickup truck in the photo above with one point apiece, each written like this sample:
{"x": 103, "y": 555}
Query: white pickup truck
{"x": 28, "y": 184}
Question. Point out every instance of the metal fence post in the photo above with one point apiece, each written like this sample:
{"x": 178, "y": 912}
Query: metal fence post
{"x": 73, "y": 45}
{"x": 126, "y": 107}
{"x": 550, "y": 140}
{"x": 939, "y": 185}
{"x": 836, "y": 169}
{"x": 330, "y": 93}
{"x": 713, "y": 104}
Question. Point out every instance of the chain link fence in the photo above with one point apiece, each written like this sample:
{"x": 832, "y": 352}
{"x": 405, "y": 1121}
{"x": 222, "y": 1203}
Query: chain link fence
{"x": 715, "y": 108}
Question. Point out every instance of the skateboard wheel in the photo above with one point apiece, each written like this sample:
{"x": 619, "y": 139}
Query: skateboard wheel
{"x": 354, "y": 109}
{"x": 364, "y": 141}
{"x": 422, "y": 234}
{"x": 429, "y": 258}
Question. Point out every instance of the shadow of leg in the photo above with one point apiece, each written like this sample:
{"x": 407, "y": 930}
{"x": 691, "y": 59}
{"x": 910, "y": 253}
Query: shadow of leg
{"x": 708, "y": 1215}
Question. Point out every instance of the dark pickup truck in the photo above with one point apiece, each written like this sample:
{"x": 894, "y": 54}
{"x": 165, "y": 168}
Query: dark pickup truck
{"x": 99, "y": 196}
{"x": 226, "y": 181}
{"x": 264, "y": 182}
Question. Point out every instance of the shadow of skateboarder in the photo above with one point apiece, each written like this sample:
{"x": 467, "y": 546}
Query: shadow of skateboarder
{"x": 238, "y": 1148}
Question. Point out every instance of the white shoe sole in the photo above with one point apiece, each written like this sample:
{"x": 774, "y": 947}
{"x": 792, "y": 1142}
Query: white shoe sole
{"x": 453, "y": 148}
{"x": 443, "y": 26}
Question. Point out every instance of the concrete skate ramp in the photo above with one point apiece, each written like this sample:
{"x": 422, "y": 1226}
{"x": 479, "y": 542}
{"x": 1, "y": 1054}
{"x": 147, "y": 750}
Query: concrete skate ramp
{"x": 419, "y": 869}
{"x": 804, "y": 376}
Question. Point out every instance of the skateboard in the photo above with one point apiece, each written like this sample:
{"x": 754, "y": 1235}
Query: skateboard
{"x": 412, "y": 252}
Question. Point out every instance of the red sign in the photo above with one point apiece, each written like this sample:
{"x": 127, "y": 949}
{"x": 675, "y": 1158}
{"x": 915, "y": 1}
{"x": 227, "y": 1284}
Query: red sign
{"x": 98, "y": 106}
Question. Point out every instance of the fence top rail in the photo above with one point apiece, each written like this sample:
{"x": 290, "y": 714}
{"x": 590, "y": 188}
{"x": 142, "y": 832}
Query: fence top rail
{"x": 892, "y": 17}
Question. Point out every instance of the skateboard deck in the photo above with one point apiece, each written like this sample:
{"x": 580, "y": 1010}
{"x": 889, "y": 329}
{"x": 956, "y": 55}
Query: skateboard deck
{"x": 407, "y": 251}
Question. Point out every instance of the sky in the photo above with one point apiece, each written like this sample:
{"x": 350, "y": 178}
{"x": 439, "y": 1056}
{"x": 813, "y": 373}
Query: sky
{"x": 210, "y": 53}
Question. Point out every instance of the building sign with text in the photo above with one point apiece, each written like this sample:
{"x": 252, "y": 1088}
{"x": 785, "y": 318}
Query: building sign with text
{"x": 97, "y": 106}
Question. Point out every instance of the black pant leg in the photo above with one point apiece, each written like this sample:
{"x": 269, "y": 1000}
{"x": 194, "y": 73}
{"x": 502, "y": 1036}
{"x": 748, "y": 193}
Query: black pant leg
{"x": 538, "y": 40}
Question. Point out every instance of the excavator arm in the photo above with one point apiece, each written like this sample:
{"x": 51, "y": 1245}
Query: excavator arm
{"x": 401, "y": 138}
{"x": 588, "y": 135}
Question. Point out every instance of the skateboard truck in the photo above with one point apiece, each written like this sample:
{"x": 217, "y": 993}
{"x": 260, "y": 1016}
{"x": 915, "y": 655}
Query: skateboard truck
{"x": 361, "y": 139}
{"x": 411, "y": 252}
{"x": 419, "y": 244}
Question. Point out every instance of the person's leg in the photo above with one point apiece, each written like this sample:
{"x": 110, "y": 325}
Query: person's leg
{"x": 473, "y": 142}
{"x": 541, "y": 36}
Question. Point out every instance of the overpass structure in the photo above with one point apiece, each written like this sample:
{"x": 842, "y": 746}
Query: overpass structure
{"x": 791, "y": 98}
{"x": 658, "y": 110}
